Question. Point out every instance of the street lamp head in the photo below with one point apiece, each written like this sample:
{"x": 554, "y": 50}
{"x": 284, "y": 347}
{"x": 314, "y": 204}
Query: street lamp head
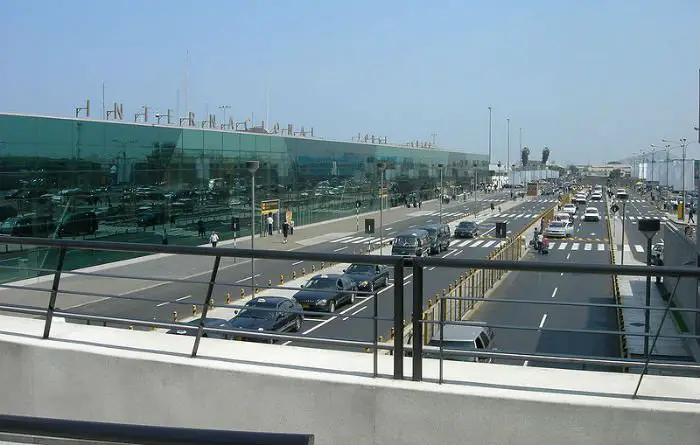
{"x": 649, "y": 227}
{"x": 381, "y": 165}
{"x": 441, "y": 165}
{"x": 252, "y": 166}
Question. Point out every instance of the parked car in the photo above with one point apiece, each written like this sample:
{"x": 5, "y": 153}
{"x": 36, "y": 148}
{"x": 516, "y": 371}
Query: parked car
{"x": 268, "y": 314}
{"x": 368, "y": 276}
{"x": 28, "y": 225}
{"x": 466, "y": 229}
{"x": 461, "y": 338}
{"x": 217, "y": 323}
{"x": 326, "y": 292}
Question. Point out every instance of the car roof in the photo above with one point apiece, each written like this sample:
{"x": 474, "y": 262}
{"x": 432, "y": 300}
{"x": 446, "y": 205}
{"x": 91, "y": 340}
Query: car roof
{"x": 416, "y": 232}
{"x": 595, "y": 209}
{"x": 266, "y": 301}
{"x": 327, "y": 275}
{"x": 455, "y": 332}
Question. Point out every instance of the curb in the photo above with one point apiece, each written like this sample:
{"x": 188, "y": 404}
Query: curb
{"x": 617, "y": 297}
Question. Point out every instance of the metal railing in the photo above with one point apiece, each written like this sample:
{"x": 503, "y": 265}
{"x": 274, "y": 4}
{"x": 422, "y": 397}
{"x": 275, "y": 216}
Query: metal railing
{"x": 417, "y": 323}
{"x": 20, "y": 427}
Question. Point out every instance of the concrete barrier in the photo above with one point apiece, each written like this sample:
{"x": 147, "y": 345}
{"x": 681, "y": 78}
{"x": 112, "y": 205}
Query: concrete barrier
{"x": 114, "y": 375}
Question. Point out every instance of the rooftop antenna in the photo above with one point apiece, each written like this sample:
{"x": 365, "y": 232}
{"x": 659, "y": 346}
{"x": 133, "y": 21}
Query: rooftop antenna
{"x": 187, "y": 63}
{"x": 103, "y": 100}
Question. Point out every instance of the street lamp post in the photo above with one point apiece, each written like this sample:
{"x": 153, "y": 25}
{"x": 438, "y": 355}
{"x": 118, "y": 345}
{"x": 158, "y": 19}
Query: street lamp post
{"x": 381, "y": 166}
{"x": 441, "y": 166}
{"x": 508, "y": 151}
{"x": 476, "y": 184}
{"x": 684, "y": 144}
{"x": 252, "y": 167}
{"x": 224, "y": 108}
{"x": 649, "y": 227}
{"x": 489, "y": 135}
{"x": 622, "y": 248}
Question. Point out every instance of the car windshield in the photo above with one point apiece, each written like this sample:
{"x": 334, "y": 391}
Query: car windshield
{"x": 557, "y": 224}
{"x": 360, "y": 268}
{"x": 406, "y": 241}
{"x": 322, "y": 283}
{"x": 569, "y": 206}
{"x": 431, "y": 230}
{"x": 258, "y": 313}
{"x": 9, "y": 223}
{"x": 466, "y": 224}
{"x": 591, "y": 210}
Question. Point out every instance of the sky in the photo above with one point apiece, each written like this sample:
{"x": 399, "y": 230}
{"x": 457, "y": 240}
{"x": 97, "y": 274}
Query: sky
{"x": 593, "y": 80}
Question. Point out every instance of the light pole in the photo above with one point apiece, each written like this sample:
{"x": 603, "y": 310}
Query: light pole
{"x": 622, "y": 248}
{"x": 648, "y": 227}
{"x": 476, "y": 183}
{"x": 441, "y": 166}
{"x": 684, "y": 144}
{"x": 224, "y": 108}
{"x": 381, "y": 166}
{"x": 508, "y": 151}
{"x": 252, "y": 167}
{"x": 489, "y": 136}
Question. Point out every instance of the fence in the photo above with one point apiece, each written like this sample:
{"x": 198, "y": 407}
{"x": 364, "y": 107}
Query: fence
{"x": 490, "y": 269}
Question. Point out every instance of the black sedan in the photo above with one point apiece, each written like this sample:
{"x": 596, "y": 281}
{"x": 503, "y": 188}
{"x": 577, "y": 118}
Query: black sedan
{"x": 217, "y": 323}
{"x": 466, "y": 229}
{"x": 269, "y": 314}
{"x": 326, "y": 292}
{"x": 368, "y": 276}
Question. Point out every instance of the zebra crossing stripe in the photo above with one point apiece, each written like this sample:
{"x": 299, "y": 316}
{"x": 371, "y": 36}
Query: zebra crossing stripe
{"x": 562, "y": 246}
{"x": 341, "y": 240}
{"x": 476, "y": 243}
{"x": 464, "y": 243}
{"x": 362, "y": 240}
{"x": 588, "y": 246}
{"x": 488, "y": 243}
{"x": 639, "y": 248}
{"x": 574, "y": 246}
{"x": 601, "y": 247}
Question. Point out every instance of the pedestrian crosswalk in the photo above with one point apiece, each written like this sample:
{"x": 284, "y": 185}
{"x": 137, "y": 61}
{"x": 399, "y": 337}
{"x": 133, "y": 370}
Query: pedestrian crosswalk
{"x": 638, "y": 217}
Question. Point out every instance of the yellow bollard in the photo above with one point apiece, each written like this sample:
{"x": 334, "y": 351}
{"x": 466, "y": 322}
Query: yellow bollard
{"x": 257, "y": 290}
{"x": 174, "y": 315}
{"x": 269, "y": 283}
{"x": 242, "y": 293}
{"x": 393, "y": 332}
{"x": 228, "y": 298}
{"x": 449, "y": 287}
{"x": 211, "y": 304}
{"x": 430, "y": 303}
{"x": 131, "y": 327}
{"x": 294, "y": 275}
{"x": 443, "y": 292}
{"x": 194, "y": 309}
{"x": 303, "y": 271}
{"x": 323, "y": 264}
{"x": 281, "y": 278}
{"x": 380, "y": 339}
{"x": 313, "y": 268}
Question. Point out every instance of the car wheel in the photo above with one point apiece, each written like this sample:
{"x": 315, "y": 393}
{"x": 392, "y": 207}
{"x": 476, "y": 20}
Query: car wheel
{"x": 297, "y": 325}
{"x": 331, "y": 306}
{"x": 352, "y": 298}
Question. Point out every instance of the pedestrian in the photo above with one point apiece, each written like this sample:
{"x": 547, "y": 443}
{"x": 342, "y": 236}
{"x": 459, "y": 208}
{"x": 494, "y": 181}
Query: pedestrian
{"x": 213, "y": 239}
{"x": 285, "y": 231}
{"x": 200, "y": 228}
{"x": 291, "y": 227}
{"x": 165, "y": 237}
{"x": 691, "y": 216}
{"x": 173, "y": 219}
{"x": 270, "y": 223}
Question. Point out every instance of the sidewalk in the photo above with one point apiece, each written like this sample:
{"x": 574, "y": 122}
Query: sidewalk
{"x": 633, "y": 293}
{"x": 187, "y": 267}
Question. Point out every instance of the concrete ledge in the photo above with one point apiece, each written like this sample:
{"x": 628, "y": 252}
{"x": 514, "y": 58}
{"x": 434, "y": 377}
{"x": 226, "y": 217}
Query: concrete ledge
{"x": 103, "y": 374}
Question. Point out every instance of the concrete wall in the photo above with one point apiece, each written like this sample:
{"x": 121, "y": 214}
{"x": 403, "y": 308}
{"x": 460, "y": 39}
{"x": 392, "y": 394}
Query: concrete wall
{"x": 113, "y": 375}
{"x": 680, "y": 251}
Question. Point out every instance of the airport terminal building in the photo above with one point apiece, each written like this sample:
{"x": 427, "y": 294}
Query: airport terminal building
{"x": 145, "y": 181}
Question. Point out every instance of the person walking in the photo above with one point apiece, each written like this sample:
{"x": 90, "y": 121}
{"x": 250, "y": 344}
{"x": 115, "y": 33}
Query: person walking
{"x": 214, "y": 239}
{"x": 285, "y": 231}
{"x": 291, "y": 227}
{"x": 691, "y": 215}
{"x": 200, "y": 228}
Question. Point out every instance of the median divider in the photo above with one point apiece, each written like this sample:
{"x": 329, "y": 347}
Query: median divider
{"x": 624, "y": 352}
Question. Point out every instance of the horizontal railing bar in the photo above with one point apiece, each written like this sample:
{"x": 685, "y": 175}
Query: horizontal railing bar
{"x": 463, "y": 263}
{"x": 566, "y": 303}
{"x": 547, "y": 329}
{"x": 141, "y": 434}
{"x": 586, "y": 360}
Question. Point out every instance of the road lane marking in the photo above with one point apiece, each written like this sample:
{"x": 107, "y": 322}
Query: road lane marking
{"x": 459, "y": 252}
{"x": 476, "y": 243}
{"x": 601, "y": 247}
{"x": 568, "y": 255}
{"x": 639, "y": 248}
{"x": 574, "y": 246}
{"x": 162, "y": 304}
{"x": 544, "y": 318}
{"x": 338, "y": 250}
{"x": 298, "y": 262}
{"x": 183, "y": 298}
{"x": 562, "y": 246}
{"x": 410, "y": 227}
{"x": 588, "y": 246}
{"x": 488, "y": 243}
{"x": 356, "y": 312}
{"x": 554, "y": 294}
{"x": 247, "y": 278}
{"x": 388, "y": 228}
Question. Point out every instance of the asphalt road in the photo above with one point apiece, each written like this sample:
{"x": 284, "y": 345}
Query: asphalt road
{"x": 159, "y": 302}
{"x": 557, "y": 287}
{"x": 635, "y": 209}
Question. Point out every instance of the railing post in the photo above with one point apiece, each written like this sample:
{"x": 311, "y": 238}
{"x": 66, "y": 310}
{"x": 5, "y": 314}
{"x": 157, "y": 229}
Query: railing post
{"x": 417, "y": 314}
{"x": 207, "y": 302}
{"x": 54, "y": 291}
{"x": 398, "y": 320}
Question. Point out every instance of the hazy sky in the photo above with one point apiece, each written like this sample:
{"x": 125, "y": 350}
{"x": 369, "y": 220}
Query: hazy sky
{"x": 594, "y": 80}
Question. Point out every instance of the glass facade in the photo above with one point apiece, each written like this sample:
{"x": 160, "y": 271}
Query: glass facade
{"x": 143, "y": 182}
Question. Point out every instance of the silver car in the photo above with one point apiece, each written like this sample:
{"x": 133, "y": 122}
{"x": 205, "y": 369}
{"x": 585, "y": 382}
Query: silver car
{"x": 559, "y": 229}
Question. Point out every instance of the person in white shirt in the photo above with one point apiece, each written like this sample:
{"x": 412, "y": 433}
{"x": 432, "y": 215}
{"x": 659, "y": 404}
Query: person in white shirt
{"x": 213, "y": 239}
{"x": 270, "y": 222}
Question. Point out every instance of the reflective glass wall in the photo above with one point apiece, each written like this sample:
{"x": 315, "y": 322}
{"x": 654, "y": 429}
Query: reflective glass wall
{"x": 119, "y": 181}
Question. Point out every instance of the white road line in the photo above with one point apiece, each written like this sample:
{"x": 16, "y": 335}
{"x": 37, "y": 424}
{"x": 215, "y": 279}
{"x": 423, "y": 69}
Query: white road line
{"x": 459, "y": 252}
{"x": 298, "y": 262}
{"x": 588, "y": 246}
{"x": 448, "y": 254}
{"x": 574, "y": 246}
{"x": 554, "y": 294}
{"x": 410, "y": 227}
{"x": 601, "y": 247}
{"x": 464, "y": 243}
{"x": 340, "y": 240}
{"x": 183, "y": 298}
{"x": 247, "y": 278}
{"x": 388, "y": 228}
{"x": 544, "y": 318}
{"x": 162, "y": 304}
{"x": 356, "y": 312}
{"x": 362, "y": 240}
{"x": 568, "y": 255}
{"x": 562, "y": 246}
{"x": 338, "y": 250}
{"x": 391, "y": 233}
{"x": 639, "y": 248}
{"x": 476, "y": 243}
{"x": 488, "y": 243}
{"x": 431, "y": 268}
